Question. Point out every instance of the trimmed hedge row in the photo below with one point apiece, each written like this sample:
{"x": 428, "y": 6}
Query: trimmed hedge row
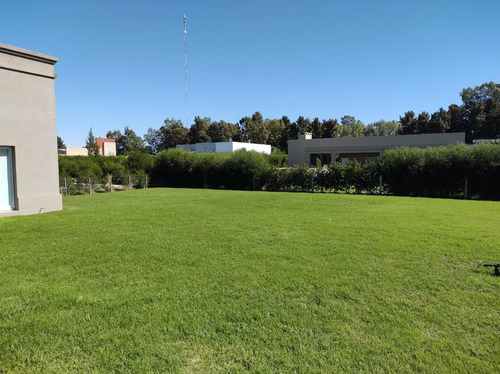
{"x": 451, "y": 171}
{"x": 244, "y": 170}
{"x": 81, "y": 169}
{"x": 240, "y": 170}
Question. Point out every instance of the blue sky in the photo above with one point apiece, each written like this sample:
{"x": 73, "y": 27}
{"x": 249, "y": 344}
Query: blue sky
{"x": 121, "y": 62}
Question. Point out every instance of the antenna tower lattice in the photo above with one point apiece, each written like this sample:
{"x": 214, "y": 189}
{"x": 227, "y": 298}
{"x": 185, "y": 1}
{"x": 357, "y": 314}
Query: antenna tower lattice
{"x": 185, "y": 68}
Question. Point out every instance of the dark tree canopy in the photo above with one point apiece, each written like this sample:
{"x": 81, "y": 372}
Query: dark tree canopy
{"x": 127, "y": 142}
{"x": 60, "y": 143}
{"x": 198, "y": 133}
{"x": 91, "y": 144}
{"x": 172, "y": 133}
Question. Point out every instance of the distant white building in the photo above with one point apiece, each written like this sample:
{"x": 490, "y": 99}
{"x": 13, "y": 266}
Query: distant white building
{"x": 225, "y": 147}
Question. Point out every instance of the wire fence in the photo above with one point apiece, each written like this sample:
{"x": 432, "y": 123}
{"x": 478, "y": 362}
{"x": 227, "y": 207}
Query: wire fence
{"x": 71, "y": 186}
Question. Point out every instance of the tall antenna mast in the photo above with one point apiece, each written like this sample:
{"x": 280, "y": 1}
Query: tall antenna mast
{"x": 185, "y": 68}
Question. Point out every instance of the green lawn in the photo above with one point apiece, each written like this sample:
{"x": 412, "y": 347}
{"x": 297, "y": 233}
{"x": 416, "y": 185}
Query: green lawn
{"x": 173, "y": 280}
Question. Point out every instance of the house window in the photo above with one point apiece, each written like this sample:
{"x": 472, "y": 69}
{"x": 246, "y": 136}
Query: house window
{"x": 324, "y": 159}
{"x": 6, "y": 179}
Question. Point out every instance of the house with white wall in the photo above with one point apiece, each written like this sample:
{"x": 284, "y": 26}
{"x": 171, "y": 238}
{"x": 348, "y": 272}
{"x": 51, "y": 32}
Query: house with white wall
{"x": 29, "y": 175}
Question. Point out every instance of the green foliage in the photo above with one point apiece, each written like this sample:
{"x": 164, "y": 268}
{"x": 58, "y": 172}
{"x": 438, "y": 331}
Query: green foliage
{"x": 275, "y": 129}
{"x": 171, "y": 134}
{"x": 240, "y": 170}
{"x": 198, "y": 133}
{"x": 254, "y": 130}
{"x": 244, "y": 170}
{"x": 278, "y": 159}
{"x": 115, "y": 167}
{"x": 443, "y": 171}
{"x": 301, "y": 178}
{"x": 478, "y": 116}
{"x": 60, "y": 143}
{"x": 172, "y": 167}
{"x": 153, "y": 140}
{"x": 362, "y": 177}
{"x": 401, "y": 169}
{"x": 330, "y": 128}
{"x": 127, "y": 142}
{"x": 484, "y": 173}
{"x": 137, "y": 161}
{"x": 207, "y": 170}
{"x": 278, "y": 179}
{"x": 80, "y": 168}
{"x": 334, "y": 178}
{"x": 91, "y": 145}
{"x": 351, "y": 127}
{"x": 381, "y": 128}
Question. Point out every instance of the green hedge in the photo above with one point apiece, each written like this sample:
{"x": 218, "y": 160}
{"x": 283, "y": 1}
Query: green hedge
{"x": 433, "y": 172}
{"x": 443, "y": 171}
{"x": 240, "y": 170}
{"x": 82, "y": 168}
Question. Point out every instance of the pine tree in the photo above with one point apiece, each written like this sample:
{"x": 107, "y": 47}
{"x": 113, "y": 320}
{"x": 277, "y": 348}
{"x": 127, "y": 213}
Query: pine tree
{"x": 91, "y": 145}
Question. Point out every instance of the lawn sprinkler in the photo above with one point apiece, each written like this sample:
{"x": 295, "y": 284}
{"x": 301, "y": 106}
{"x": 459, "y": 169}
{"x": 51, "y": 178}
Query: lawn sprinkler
{"x": 496, "y": 266}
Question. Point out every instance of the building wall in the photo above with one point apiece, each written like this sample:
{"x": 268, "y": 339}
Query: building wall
{"x": 28, "y": 128}
{"x": 107, "y": 147}
{"x": 300, "y": 150}
{"x": 76, "y": 151}
{"x": 205, "y": 147}
{"x": 187, "y": 147}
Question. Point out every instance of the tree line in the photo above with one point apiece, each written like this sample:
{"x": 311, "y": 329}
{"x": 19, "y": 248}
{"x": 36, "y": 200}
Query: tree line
{"x": 478, "y": 116}
{"x": 454, "y": 171}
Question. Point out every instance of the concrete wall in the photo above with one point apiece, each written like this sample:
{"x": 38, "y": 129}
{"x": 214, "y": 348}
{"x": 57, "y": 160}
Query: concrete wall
{"x": 299, "y": 150}
{"x": 107, "y": 147}
{"x": 205, "y": 147}
{"x": 77, "y": 151}
{"x": 187, "y": 147}
{"x": 28, "y": 128}
{"x": 223, "y": 147}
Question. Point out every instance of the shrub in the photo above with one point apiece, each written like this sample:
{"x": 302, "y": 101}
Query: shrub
{"x": 244, "y": 170}
{"x": 334, "y": 177}
{"x": 301, "y": 177}
{"x": 171, "y": 168}
{"x": 401, "y": 170}
{"x": 278, "y": 179}
{"x": 443, "y": 171}
{"x": 278, "y": 159}
{"x": 206, "y": 170}
{"x": 484, "y": 176}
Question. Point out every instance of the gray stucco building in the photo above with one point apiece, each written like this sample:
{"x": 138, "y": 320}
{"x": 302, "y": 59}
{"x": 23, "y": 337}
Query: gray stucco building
{"x": 306, "y": 150}
{"x": 29, "y": 180}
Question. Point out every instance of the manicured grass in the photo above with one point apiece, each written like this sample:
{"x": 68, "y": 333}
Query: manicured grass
{"x": 172, "y": 280}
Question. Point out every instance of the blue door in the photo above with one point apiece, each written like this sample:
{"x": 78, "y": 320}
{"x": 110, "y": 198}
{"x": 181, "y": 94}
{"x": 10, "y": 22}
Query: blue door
{"x": 6, "y": 179}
